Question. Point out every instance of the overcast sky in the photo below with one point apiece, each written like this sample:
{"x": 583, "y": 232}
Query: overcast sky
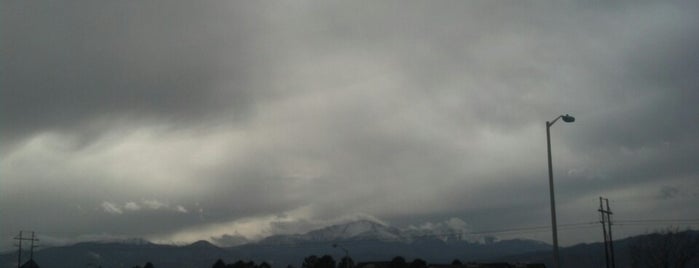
{"x": 181, "y": 120}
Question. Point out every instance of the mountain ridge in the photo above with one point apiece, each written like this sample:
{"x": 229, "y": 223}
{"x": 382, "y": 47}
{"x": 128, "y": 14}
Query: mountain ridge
{"x": 354, "y": 230}
{"x": 363, "y": 248}
{"x": 365, "y": 241}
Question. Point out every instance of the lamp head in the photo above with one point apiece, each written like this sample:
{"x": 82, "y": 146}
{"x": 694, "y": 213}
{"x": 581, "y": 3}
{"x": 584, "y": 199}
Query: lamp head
{"x": 567, "y": 118}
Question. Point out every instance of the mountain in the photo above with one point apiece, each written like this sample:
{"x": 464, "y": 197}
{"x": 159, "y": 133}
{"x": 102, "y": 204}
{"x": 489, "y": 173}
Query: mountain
{"x": 364, "y": 240}
{"x": 667, "y": 245}
{"x": 122, "y": 254}
{"x": 370, "y": 240}
{"x": 372, "y": 230}
{"x": 363, "y": 229}
{"x": 357, "y": 230}
{"x": 452, "y": 230}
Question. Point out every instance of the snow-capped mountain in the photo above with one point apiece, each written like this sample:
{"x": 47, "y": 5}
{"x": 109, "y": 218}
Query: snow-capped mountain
{"x": 365, "y": 230}
{"x": 452, "y": 230}
{"x": 364, "y": 239}
{"x": 356, "y": 230}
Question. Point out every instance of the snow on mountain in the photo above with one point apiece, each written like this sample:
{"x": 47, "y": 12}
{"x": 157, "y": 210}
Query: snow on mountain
{"x": 453, "y": 230}
{"x": 355, "y": 230}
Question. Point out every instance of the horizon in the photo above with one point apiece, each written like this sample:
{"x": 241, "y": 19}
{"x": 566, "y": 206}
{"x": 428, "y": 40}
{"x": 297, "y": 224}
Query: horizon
{"x": 477, "y": 237}
{"x": 182, "y": 121}
{"x": 363, "y": 248}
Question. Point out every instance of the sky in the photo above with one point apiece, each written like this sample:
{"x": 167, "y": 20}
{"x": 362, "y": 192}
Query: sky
{"x": 177, "y": 121}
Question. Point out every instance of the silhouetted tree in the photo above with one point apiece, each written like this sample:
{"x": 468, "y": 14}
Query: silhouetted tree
{"x": 250, "y": 264}
{"x": 148, "y": 265}
{"x": 418, "y": 263}
{"x": 670, "y": 248}
{"x": 219, "y": 264}
{"x": 398, "y": 262}
{"x": 264, "y": 264}
{"x": 310, "y": 262}
{"x": 238, "y": 264}
{"x": 346, "y": 262}
{"x": 326, "y": 261}
{"x": 456, "y": 262}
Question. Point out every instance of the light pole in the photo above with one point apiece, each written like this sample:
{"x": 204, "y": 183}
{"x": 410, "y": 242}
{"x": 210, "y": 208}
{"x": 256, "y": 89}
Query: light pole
{"x": 346, "y": 254}
{"x": 568, "y": 119}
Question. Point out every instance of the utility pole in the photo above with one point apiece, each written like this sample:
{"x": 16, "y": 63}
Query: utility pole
{"x": 609, "y": 225}
{"x": 606, "y": 222}
{"x": 31, "y": 248}
{"x": 603, "y": 221}
{"x": 21, "y": 238}
{"x": 19, "y": 252}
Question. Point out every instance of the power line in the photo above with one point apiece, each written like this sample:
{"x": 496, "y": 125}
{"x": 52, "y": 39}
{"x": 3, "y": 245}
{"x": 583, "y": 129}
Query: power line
{"x": 654, "y": 224}
{"x": 661, "y": 220}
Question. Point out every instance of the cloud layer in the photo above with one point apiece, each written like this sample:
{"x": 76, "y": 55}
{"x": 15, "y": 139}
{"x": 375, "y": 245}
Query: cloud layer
{"x": 179, "y": 121}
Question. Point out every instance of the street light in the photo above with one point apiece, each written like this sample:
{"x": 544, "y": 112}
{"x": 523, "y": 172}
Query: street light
{"x": 346, "y": 254}
{"x": 568, "y": 119}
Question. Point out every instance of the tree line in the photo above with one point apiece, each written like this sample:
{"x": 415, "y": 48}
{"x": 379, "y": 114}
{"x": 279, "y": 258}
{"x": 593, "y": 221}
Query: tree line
{"x": 326, "y": 261}
{"x": 663, "y": 249}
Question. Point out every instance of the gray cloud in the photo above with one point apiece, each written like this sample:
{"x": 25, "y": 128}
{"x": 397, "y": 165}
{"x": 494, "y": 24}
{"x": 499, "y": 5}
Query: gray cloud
{"x": 71, "y": 63}
{"x": 668, "y": 192}
{"x": 291, "y": 115}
